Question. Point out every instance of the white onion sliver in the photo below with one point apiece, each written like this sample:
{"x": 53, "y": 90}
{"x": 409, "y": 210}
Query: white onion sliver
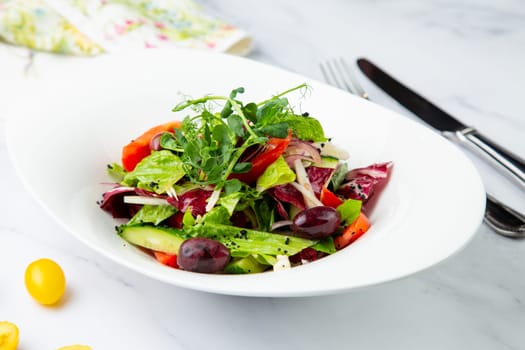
{"x": 304, "y": 186}
{"x": 281, "y": 223}
{"x": 300, "y": 171}
{"x": 213, "y": 199}
{"x": 309, "y": 197}
{"x": 172, "y": 193}
{"x": 145, "y": 200}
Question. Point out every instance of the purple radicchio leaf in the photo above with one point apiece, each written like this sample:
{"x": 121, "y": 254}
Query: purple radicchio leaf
{"x": 281, "y": 210}
{"x": 113, "y": 202}
{"x": 288, "y": 194}
{"x": 318, "y": 178}
{"x": 362, "y": 183}
{"x": 195, "y": 200}
{"x": 307, "y": 254}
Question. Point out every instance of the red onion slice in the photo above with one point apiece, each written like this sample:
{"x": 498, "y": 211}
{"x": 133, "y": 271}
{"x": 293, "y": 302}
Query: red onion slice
{"x": 298, "y": 149}
{"x": 154, "y": 143}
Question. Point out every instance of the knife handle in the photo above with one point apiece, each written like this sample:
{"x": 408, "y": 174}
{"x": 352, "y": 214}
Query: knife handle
{"x": 512, "y": 165}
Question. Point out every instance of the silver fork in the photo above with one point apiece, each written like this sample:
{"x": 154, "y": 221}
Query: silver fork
{"x": 501, "y": 218}
{"x": 337, "y": 73}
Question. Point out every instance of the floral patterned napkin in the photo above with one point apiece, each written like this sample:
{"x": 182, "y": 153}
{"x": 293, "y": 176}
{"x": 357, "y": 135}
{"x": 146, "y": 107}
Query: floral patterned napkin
{"x": 92, "y": 27}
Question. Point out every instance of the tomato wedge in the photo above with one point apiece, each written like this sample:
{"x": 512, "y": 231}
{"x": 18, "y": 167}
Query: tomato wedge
{"x": 139, "y": 149}
{"x": 355, "y": 230}
{"x": 274, "y": 148}
{"x": 166, "y": 259}
{"x": 329, "y": 198}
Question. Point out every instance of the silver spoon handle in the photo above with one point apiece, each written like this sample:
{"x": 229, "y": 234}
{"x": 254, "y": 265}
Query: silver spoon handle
{"x": 503, "y": 219}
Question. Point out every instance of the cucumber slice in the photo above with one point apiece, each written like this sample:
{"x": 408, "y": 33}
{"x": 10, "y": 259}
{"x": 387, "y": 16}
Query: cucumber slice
{"x": 156, "y": 238}
{"x": 245, "y": 265}
{"x": 328, "y": 162}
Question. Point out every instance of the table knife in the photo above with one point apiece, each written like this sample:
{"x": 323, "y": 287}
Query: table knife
{"x": 504, "y": 220}
{"x": 510, "y": 164}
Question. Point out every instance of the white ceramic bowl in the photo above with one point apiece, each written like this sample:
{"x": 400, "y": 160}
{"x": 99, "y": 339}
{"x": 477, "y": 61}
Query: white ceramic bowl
{"x": 63, "y": 131}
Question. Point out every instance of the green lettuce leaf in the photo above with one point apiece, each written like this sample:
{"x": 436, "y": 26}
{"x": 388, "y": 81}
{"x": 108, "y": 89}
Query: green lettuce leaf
{"x": 157, "y": 172}
{"x": 349, "y": 210}
{"x": 187, "y": 219}
{"x": 339, "y": 176}
{"x": 277, "y": 173}
{"x": 264, "y": 213}
{"x": 230, "y": 201}
{"x": 325, "y": 245}
{"x": 243, "y": 242}
{"x": 116, "y": 172}
{"x": 154, "y": 214}
{"x": 303, "y": 127}
{"x": 218, "y": 215}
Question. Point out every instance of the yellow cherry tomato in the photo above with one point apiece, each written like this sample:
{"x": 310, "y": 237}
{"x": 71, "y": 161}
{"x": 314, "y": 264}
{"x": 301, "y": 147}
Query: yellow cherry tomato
{"x": 75, "y": 347}
{"x": 45, "y": 281}
{"x": 8, "y": 336}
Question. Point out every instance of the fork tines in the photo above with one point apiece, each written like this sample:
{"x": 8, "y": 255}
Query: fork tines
{"x": 336, "y": 72}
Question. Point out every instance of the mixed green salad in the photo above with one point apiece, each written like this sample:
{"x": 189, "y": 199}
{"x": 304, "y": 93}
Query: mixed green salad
{"x": 239, "y": 187}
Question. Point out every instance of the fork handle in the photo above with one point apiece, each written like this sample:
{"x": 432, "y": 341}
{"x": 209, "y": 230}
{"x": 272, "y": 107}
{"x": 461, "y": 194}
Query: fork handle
{"x": 510, "y": 164}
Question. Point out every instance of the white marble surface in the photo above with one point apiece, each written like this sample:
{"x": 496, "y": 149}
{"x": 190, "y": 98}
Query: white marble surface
{"x": 466, "y": 55}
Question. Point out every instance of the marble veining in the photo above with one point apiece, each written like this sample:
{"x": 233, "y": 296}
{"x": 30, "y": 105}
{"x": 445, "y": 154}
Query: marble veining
{"x": 466, "y": 55}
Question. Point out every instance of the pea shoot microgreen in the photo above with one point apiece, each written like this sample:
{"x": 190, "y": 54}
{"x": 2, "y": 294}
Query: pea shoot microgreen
{"x": 210, "y": 144}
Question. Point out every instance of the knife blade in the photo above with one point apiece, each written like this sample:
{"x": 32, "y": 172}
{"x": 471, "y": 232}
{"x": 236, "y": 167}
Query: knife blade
{"x": 510, "y": 164}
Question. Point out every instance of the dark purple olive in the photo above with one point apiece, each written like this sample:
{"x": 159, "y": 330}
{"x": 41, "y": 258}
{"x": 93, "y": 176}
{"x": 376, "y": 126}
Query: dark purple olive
{"x": 202, "y": 255}
{"x": 316, "y": 223}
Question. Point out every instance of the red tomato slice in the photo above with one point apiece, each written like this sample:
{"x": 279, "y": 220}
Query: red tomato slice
{"x": 139, "y": 149}
{"x": 355, "y": 230}
{"x": 329, "y": 198}
{"x": 166, "y": 259}
{"x": 274, "y": 148}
